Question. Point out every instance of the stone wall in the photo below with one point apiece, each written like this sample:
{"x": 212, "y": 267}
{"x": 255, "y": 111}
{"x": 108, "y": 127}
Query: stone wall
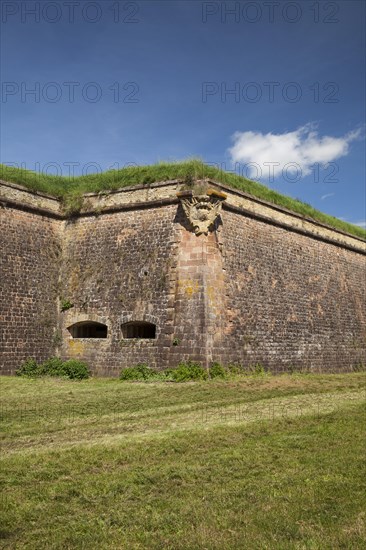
{"x": 292, "y": 302}
{"x": 264, "y": 285}
{"x": 198, "y": 277}
{"x": 116, "y": 268}
{"x": 30, "y": 248}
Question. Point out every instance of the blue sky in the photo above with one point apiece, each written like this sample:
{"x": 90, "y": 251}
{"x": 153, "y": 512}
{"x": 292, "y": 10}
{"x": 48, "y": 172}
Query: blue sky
{"x": 138, "y": 82}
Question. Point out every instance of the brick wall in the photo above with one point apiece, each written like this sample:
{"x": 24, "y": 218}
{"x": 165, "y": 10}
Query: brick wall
{"x": 292, "y": 301}
{"x": 29, "y": 273}
{"x": 117, "y": 268}
{"x": 280, "y": 291}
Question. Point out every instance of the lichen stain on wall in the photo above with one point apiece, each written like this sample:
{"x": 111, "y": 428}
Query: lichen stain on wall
{"x": 76, "y": 347}
{"x": 189, "y": 287}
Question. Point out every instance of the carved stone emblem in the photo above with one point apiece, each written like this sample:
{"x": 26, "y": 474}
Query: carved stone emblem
{"x": 202, "y": 210}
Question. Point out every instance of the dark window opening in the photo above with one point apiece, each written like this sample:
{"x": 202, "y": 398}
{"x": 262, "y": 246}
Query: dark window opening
{"x": 88, "y": 329}
{"x": 138, "y": 329}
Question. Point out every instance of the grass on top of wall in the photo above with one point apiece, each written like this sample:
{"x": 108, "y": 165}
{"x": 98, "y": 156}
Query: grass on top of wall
{"x": 71, "y": 189}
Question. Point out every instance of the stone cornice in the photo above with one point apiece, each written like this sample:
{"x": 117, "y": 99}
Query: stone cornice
{"x": 164, "y": 193}
{"x": 19, "y": 197}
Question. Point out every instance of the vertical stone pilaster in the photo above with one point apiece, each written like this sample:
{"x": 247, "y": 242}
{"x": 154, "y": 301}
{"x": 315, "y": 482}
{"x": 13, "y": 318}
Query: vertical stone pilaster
{"x": 199, "y": 294}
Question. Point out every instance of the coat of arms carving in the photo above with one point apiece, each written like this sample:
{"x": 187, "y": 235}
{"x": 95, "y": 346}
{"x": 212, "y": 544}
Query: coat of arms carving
{"x": 202, "y": 210}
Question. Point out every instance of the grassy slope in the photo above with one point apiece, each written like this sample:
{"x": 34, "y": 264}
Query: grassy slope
{"x": 262, "y": 462}
{"x": 69, "y": 190}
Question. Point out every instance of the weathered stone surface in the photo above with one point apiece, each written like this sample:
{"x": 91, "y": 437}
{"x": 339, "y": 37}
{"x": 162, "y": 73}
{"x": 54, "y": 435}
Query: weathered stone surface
{"x": 16, "y": 195}
{"x": 291, "y": 301}
{"x": 262, "y": 286}
{"x": 116, "y": 269}
{"x": 30, "y": 252}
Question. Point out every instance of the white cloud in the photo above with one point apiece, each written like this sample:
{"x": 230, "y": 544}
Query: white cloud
{"x": 300, "y": 149}
{"x": 327, "y": 196}
{"x": 361, "y": 224}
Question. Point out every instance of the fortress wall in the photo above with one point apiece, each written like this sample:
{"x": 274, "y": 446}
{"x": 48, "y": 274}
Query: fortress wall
{"x": 29, "y": 274}
{"x": 117, "y": 268}
{"x": 292, "y": 301}
{"x": 264, "y": 286}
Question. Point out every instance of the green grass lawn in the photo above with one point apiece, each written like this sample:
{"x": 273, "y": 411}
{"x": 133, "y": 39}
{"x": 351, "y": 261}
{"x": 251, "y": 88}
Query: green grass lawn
{"x": 258, "y": 462}
{"x": 70, "y": 190}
